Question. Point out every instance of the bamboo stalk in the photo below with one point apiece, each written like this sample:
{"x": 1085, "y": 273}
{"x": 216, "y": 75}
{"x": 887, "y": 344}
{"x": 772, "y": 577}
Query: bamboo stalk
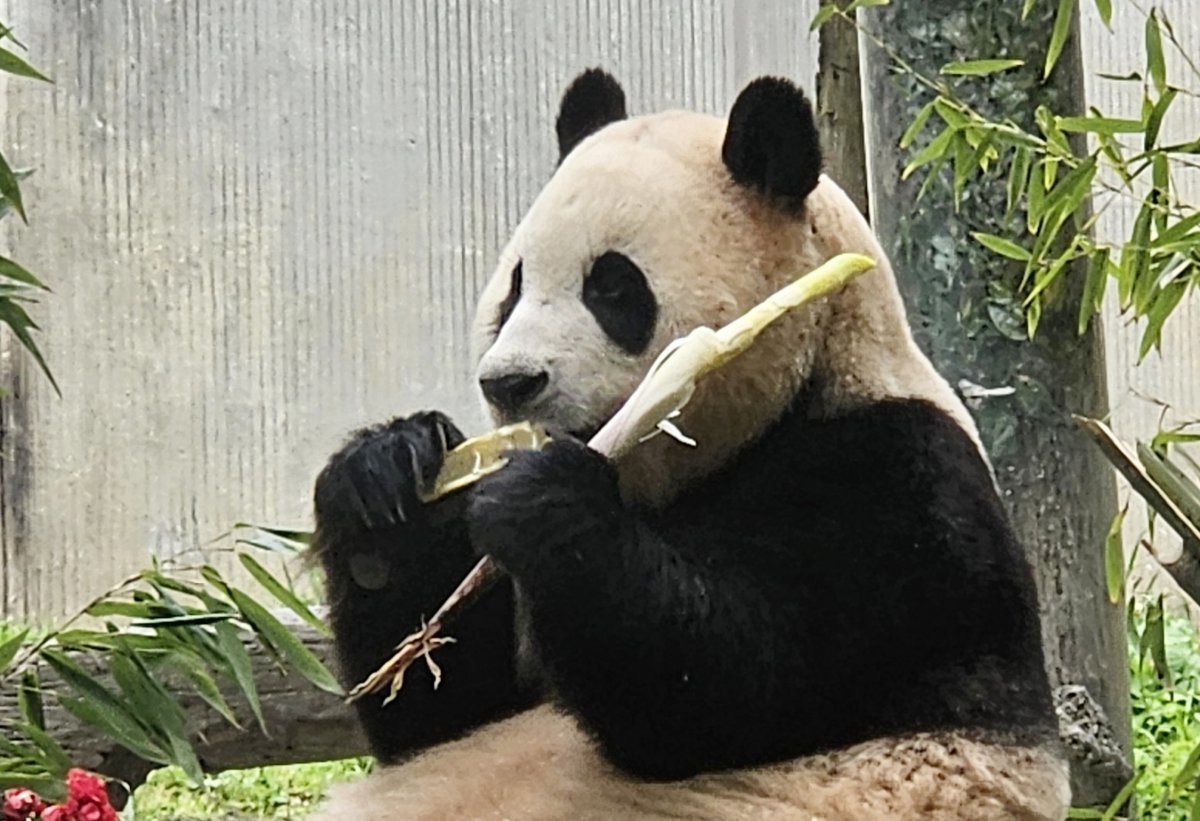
{"x": 667, "y": 387}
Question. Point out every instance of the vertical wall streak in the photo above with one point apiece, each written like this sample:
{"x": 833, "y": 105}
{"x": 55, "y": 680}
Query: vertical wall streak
{"x": 266, "y": 224}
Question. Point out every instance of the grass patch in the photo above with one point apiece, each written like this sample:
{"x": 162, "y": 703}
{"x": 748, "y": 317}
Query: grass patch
{"x": 1166, "y": 725}
{"x": 260, "y": 793}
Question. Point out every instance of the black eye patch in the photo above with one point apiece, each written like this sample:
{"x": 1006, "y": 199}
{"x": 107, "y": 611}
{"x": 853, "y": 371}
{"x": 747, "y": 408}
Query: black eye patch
{"x": 618, "y": 296}
{"x": 511, "y": 300}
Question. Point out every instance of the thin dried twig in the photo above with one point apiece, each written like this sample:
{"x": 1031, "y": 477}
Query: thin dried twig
{"x": 668, "y": 386}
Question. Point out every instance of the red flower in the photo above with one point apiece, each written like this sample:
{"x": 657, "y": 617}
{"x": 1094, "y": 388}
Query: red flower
{"x": 21, "y": 804}
{"x": 87, "y": 798}
{"x": 59, "y": 812}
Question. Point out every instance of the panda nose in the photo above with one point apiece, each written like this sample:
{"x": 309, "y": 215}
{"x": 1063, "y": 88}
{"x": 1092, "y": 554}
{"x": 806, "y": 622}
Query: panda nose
{"x": 512, "y": 391}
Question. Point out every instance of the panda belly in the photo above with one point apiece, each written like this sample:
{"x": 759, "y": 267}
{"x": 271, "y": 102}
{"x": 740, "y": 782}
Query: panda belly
{"x": 538, "y": 766}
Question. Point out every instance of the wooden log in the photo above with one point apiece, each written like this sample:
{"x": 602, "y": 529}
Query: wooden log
{"x": 305, "y": 723}
{"x": 308, "y": 724}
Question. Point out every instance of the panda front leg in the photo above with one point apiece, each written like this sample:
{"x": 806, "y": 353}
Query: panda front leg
{"x": 670, "y": 646}
{"x": 389, "y": 561}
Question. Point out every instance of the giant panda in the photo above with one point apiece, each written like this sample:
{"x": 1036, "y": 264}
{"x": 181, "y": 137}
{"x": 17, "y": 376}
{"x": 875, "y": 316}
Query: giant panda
{"x": 819, "y": 611}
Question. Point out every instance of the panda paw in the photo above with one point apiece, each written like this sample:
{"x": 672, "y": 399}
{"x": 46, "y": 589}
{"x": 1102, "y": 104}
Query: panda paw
{"x": 373, "y": 481}
{"x": 545, "y": 505}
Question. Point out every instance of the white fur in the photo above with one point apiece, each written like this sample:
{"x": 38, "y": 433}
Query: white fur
{"x": 654, "y": 188}
{"x": 539, "y": 767}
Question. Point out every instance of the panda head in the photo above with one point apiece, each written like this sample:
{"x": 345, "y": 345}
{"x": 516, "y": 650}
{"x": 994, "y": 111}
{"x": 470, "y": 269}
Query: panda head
{"x": 653, "y": 225}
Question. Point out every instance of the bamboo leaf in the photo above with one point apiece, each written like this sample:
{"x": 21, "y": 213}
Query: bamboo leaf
{"x": 1174, "y": 483}
{"x": 823, "y": 16}
{"x": 951, "y": 113}
{"x": 918, "y": 123}
{"x": 1100, "y": 125}
{"x": 976, "y": 68}
{"x": 241, "y": 668}
{"x": 29, "y": 699}
{"x": 1001, "y": 246}
{"x": 1179, "y": 230}
{"x": 161, "y": 710}
{"x": 12, "y": 270}
{"x": 936, "y": 149}
{"x": 192, "y": 667}
{"x": 1058, "y": 36}
{"x": 57, "y": 760}
{"x": 1033, "y": 316}
{"x": 147, "y": 697}
{"x": 101, "y": 708}
{"x": 290, "y": 647}
{"x": 1156, "y": 63}
{"x": 1104, "y": 8}
{"x": 1035, "y": 198}
{"x": 1114, "y": 558}
{"x": 1155, "y": 120}
{"x": 117, "y": 725}
{"x": 1154, "y": 639}
{"x": 1050, "y": 275}
{"x": 1018, "y": 178}
{"x": 1093, "y": 289}
{"x": 281, "y": 592}
{"x": 113, "y": 607}
{"x": 300, "y": 538}
{"x": 19, "y": 322}
{"x": 10, "y": 646}
{"x": 1168, "y": 437}
{"x": 1071, "y": 191}
{"x": 189, "y": 619}
{"x": 11, "y": 189}
{"x": 1135, "y": 257}
{"x": 13, "y": 64}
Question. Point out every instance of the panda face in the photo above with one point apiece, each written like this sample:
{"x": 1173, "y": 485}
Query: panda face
{"x": 620, "y": 253}
{"x": 531, "y": 369}
{"x": 654, "y": 225}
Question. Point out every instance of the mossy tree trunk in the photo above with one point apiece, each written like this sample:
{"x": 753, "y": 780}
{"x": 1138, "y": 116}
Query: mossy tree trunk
{"x": 1058, "y": 488}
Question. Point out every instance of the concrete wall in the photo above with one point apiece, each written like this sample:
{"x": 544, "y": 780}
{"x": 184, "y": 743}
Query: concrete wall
{"x": 266, "y": 223}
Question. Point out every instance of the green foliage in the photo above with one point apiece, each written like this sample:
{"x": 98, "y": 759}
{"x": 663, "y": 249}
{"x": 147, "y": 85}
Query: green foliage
{"x": 1166, "y": 718}
{"x": 266, "y": 793}
{"x": 1164, "y": 649}
{"x": 17, "y": 285}
{"x": 1056, "y": 168}
{"x": 114, "y": 659}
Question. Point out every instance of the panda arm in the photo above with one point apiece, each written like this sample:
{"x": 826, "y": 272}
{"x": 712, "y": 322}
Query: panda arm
{"x": 389, "y": 561}
{"x": 673, "y": 655}
{"x": 794, "y": 602}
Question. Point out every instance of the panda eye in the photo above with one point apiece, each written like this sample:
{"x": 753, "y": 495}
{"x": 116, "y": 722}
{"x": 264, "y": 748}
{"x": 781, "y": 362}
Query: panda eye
{"x": 618, "y": 296}
{"x": 511, "y": 300}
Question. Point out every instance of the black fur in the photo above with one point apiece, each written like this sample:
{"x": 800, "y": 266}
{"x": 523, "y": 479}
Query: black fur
{"x": 593, "y": 100}
{"x": 616, "y": 293}
{"x": 771, "y": 142}
{"x": 509, "y": 304}
{"x": 840, "y": 580}
{"x": 390, "y": 561}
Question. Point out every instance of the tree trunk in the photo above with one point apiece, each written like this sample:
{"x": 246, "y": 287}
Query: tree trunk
{"x": 840, "y": 110}
{"x": 1058, "y": 488}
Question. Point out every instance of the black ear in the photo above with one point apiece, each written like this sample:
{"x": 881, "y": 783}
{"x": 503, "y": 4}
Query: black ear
{"x": 771, "y": 143}
{"x": 593, "y": 100}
